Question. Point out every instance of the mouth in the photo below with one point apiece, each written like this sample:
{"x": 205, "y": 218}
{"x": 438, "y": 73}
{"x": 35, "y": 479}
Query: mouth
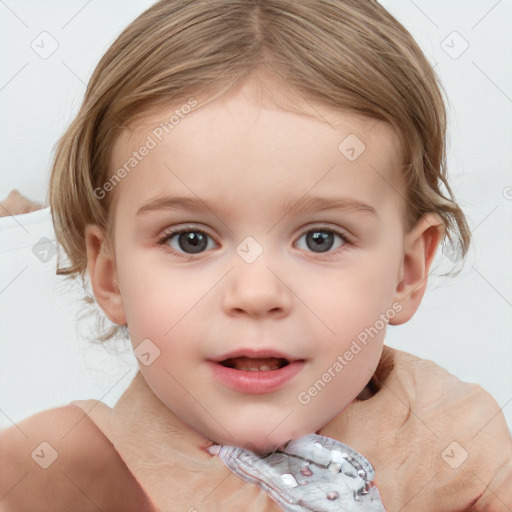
{"x": 255, "y": 371}
{"x": 251, "y": 364}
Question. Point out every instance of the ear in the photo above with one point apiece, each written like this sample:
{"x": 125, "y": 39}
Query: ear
{"x": 420, "y": 247}
{"x": 102, "y": 274}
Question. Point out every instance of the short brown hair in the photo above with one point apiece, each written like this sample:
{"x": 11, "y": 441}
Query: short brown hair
{"x": 351, "y": 55}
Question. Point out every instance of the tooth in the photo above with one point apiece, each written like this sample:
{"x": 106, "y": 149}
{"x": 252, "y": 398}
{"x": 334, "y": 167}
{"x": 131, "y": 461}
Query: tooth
{"x": 263, "y": 368}
{"x": 246, "y": 364}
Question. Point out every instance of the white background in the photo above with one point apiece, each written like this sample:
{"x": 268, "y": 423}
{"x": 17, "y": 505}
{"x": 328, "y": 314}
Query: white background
{"x": 464, "y": 323}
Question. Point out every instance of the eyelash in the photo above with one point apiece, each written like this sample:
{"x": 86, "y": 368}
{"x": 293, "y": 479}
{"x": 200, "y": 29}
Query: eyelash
{"x": 168, "y": 235}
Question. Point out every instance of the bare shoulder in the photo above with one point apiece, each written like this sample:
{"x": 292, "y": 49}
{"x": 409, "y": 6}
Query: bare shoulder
{"x": 58, "y": 460}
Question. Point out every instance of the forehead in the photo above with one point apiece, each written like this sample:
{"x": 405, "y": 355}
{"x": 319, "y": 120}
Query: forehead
{"x": 239, "y": 145}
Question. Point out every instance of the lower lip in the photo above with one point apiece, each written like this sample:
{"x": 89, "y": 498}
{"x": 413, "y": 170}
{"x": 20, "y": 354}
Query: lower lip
{"x": 257, "y": 383}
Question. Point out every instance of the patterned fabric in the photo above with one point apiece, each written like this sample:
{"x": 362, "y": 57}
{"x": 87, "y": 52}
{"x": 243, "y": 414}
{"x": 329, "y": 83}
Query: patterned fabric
{"x": 313, "y": 473}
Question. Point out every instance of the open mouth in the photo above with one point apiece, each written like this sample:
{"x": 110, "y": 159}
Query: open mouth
{"x": 255, "y": 365}
{"x": 255, "y": 375}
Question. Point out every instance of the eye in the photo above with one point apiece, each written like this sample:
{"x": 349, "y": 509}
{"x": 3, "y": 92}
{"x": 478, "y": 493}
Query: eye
{"x": 186, "y": 240}
{"x": 322, "y": 239}
{"x": 189, "y": 241}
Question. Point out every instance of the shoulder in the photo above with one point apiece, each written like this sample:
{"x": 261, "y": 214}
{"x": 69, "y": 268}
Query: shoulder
{"x": 464, "y": 420}
{"x": 430, "y": 386}
{"x": 59, "y": 458}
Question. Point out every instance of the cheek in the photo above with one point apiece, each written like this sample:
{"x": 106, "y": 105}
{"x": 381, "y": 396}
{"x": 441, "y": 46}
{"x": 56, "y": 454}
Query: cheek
{"x": 166, "y": 305}
{"x": 153, "y": 298}
{"x": 353, "y": 297}
{"x": 155, "y": 308}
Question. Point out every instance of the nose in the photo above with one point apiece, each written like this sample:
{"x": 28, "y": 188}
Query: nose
{"x": 255, "y": 290}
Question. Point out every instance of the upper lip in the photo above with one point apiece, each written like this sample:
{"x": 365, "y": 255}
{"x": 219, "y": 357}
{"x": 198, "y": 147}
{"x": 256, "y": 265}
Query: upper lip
{"x": 254, "y": 354}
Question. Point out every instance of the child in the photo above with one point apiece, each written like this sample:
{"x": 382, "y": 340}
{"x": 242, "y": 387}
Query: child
{"x": 298, "y": 147}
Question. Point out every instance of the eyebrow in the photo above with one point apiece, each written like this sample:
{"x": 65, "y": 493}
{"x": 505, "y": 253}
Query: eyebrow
{"x": 308, "y": 203}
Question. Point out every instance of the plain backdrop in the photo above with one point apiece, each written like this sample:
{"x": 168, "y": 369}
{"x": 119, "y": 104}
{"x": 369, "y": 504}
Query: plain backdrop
{"x": 48, "y": 52}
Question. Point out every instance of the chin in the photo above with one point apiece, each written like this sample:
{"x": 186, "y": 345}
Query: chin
{"x": 262, "y": 444}
{"x": 263, "y": 447}
{"x": 261, "y": 438}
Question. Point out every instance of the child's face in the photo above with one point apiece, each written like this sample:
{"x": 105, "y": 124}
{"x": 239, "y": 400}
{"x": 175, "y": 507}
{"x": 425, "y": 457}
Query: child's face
{"x": 249, "y": 277}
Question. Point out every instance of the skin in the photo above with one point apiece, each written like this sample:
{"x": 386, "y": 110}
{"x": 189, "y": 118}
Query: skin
{"x": 17, "y": 204}
{"x": 244, "y": 156}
